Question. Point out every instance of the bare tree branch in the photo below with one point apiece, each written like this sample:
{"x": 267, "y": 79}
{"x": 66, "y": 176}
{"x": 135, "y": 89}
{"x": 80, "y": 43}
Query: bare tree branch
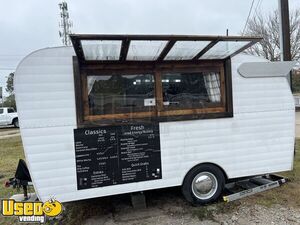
{"x": 267, "y": 27}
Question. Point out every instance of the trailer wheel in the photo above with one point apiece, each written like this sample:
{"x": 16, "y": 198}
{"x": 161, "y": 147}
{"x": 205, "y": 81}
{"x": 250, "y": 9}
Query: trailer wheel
{"x": 203, "y": 184}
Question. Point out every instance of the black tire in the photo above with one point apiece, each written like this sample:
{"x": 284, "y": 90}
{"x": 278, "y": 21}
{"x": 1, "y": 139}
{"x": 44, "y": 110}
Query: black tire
{"x": 16, "y": 122}
{"x": 215, "y": 180}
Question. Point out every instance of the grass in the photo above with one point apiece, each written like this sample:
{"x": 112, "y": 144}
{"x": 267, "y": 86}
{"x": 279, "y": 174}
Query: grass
{"x": 11, "y": 151}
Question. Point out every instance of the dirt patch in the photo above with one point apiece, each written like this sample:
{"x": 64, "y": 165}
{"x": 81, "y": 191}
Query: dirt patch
{"x": 171, "y": 213}
{"x": 167, "y": 206}
{"x": 257, "y": 214}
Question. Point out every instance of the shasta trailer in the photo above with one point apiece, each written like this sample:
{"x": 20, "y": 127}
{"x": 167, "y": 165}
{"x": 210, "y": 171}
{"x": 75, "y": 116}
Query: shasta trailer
{"x": 126, "y": 113}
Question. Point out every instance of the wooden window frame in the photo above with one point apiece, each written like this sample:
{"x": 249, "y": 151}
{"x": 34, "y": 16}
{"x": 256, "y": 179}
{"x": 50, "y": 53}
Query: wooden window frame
{"x": 160, "y": 113}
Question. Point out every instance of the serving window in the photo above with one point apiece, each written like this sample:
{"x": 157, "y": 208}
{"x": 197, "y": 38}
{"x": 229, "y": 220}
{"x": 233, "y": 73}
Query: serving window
{"x": 112, "y": 95}
{"x": 120, "y": 94}
{"x": 135, "y": 78}
{"x": 191, "y": 90}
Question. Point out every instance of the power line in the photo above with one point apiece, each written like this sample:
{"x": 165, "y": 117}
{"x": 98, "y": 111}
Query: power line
{"x": 248, "y": 17}
{"x": 255, "y": 11}
{"x": 257, "y": 6}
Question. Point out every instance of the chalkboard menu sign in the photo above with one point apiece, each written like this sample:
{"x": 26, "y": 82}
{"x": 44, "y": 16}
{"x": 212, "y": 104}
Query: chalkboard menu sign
{"x": 117, "y": 154}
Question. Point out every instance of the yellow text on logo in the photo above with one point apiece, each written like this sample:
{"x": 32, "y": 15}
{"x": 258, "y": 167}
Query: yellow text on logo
{"x": 51, "y": 208}
{"x": 12, "y": 208}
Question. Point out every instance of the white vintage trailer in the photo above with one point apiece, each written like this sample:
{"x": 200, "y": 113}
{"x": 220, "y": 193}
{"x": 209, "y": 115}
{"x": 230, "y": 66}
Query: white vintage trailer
{"x": 239, "y": 123}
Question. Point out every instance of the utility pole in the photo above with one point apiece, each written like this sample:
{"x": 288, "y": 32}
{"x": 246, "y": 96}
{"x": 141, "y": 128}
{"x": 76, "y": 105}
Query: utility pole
{"x": 65, "y": 24}
{"x": 284, "y": 33}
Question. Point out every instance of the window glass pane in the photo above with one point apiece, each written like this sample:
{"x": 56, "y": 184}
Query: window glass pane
{"x": 10, "y": 110}
{"x": 223, "y": 49}
{"x": 101, "y": 50}
{"x": 191, "y": 90}
{"x": 145, "y": 50}
{"x": 115, "y": 94}
{"x": 1, "y": 111}
{"x": 184, "y": 50}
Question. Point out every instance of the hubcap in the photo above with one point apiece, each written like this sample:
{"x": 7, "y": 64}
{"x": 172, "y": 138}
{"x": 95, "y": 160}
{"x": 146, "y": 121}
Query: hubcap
{"x": 204, "y": 185}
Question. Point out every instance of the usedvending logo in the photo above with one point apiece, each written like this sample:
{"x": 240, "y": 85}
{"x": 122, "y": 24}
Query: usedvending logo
{"x": 31, "y": 211}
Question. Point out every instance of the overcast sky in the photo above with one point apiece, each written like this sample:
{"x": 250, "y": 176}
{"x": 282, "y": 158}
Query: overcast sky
{"x": 33, "y": 24}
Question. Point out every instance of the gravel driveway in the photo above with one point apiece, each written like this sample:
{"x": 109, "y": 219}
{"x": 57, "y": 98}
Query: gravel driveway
{"x": 175, "y": 215}
{"x": 169, "y": 207}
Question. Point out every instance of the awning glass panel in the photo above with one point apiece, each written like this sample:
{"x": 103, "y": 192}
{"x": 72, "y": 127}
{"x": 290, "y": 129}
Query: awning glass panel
{"x": 94, "y": 48}
{"x": 185, "y": 50}
{"x": 101, "y": 50}
{"x": 224, "y": 49}
{"x": 145, "y": 50}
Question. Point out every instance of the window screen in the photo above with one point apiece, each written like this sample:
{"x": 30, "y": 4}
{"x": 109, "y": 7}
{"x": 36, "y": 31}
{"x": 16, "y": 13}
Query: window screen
{"x": 191, "y": 90}
{"x": 1, "y": 111}
{"x": 114, "y": 94}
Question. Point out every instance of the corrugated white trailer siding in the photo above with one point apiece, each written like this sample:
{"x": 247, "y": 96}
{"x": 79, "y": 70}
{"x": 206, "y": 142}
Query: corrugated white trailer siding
{"x": 258, "y": 139}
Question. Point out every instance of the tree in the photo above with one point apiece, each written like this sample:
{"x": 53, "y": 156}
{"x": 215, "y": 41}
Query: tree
{"x": 267, "y": 27}
{"x": 10, "y": 83}
{"x": 10, "y": 100}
